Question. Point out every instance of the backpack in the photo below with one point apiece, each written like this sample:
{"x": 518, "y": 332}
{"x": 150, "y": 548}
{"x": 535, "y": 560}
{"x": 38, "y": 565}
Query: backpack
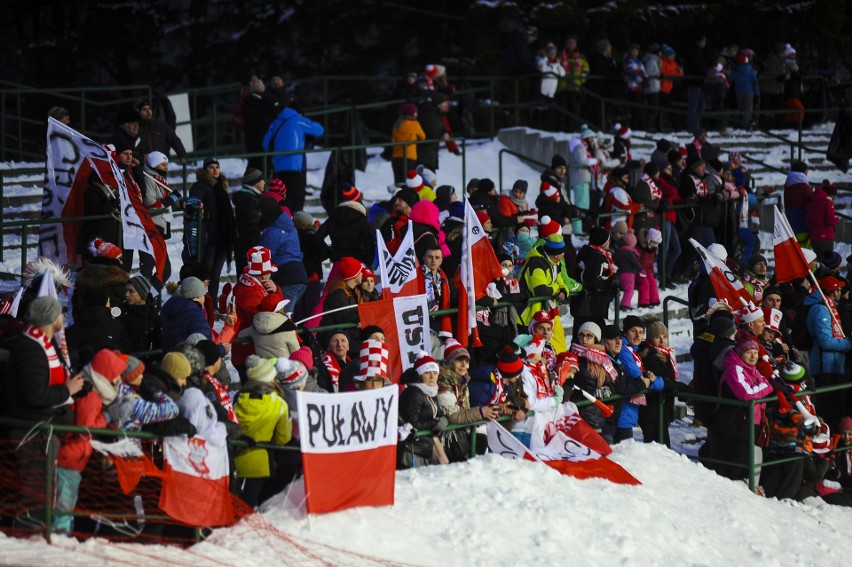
{"x": 193, "y": 211}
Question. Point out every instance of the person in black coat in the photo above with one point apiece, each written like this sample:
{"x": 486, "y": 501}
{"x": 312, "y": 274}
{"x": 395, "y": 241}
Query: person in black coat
{"x": 99, "y": 199}
{"x": 211, "y": 187}
{"x": 418, "y": 407}
{"x": 598, "y": 278}
{"x": 95, "y": 328}
{"x": 550, "y": 203}
{"x": 259, "y": 109}
{"x": 350, "y": 232}
{"x": 100, "y": 273}
{"x": 142, "y": 323}
{"x": 157, "y": 136}
{"x": 247, "y": 214}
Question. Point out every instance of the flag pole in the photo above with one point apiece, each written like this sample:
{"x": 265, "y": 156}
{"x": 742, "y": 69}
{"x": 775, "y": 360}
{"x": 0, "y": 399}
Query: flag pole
{"x": 834, "y": 320}
{"x": 344, "y": 308}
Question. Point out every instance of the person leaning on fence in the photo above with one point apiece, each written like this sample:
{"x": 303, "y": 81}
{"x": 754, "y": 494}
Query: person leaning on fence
{"x": 419, "y": 410}
{"x": 633, "y": 335}
{"x": 540, "y": 277}
{"x": 598, "y": 278}
{"x": 660, "y": 359}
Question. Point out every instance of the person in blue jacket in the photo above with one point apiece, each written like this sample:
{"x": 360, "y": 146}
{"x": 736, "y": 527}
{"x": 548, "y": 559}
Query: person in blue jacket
{"x": 828, "y": 352}
{"x": 746, "y": 88}
{"x": 183, "y": 314}
{"x": 633, "y": 335}
{"x": 287, "y": 133}
{"x": 279, "y": 235}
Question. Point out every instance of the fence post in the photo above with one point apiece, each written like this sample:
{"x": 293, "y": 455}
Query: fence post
{"x": 199, "y": 250}
{"x": 23, "y": 251}
{"x": 2, "y": 207}
{"x": 750, "y": 423}
{"x": 48, "y": 488}
{"x": 464, "y": 165}
{"x": 661, "y": 417}
{"x": 472, "y": 430}
{"x": 661, "y": 265}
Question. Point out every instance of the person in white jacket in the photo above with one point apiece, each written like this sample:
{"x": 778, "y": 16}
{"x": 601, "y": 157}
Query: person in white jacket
{"x": 551, "y": 71}
{"x": 584, "y": 169}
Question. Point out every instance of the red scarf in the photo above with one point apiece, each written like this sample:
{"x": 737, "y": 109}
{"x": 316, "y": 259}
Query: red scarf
{"x": 331, "y": 363}
{"x": 700, "y": 186}
{"x": 836, "y": 329}
{"x": 595, "y": 169}
{"x": 670, "y": 354}
{"x": 610, "y": 269}
{"x": 656, "y": 192}
{"x": 500, "y": 394}
{"x": 544, "y": 387}
{"x": 548, "y": 356}
{"x": 596, "y": 356}
{"x": 222, "y": 394}
{"x": 58, "y": 371}
{"x": 249, "y": 280}
{"x": 638, "y": 399}
{"x": 759, "y": 286}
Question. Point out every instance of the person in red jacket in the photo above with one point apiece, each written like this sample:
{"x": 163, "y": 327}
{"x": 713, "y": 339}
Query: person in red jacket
{"x": 671, "y": 239}
{"x": 820, "y": 218}
{"x": 254, "y": 289}
{"x": 104, "y": 369}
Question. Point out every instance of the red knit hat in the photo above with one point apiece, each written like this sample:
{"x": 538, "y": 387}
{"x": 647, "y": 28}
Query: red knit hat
{"x": 541, "y": 317}
{"x": 509, "y": 363}
{"x": 305, "y": 356}
{"x": 742, "y": 58}
{"x": 483, "y": 217}
{"x": 104, "y": 249}
{"x": 453, "y": 350}
{"x": 622, "y": 132}
{"x": 568, "y": 357}
{"x": 413, "y": 180}
{"x": 549, "y": 227}
{"x": 277, "y": 186}
{"x": 431, "y": 71}
{"x": 350, "y": 193}
{"x": 349, "y": 267}
{"x": 426, "y": 363}
{"x": 550, "y": 191}
{"x": 368, "y": 273}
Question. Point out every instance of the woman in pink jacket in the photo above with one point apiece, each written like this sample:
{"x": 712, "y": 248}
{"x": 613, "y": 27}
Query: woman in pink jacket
{"x": 727, "y": 434}
{"x": 820, "y": 218}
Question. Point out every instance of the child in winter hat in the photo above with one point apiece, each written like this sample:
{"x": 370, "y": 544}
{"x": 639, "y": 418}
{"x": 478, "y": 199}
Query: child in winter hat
{"x": 291, "y": 374}
{"x": 261, "y": 370}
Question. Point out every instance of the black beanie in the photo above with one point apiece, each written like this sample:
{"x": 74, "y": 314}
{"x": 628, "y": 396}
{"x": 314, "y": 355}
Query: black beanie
{"x": 408, "y": 195}
{"x": 365, "y": 333}
{"x": 651, "y": 168}
{"x": 664, "y": 145}
{"x": 485, "y": 185}
{"x": 209, "y": 350}
{"x": 598, "y": 236}
{"x": 557, "y": 161}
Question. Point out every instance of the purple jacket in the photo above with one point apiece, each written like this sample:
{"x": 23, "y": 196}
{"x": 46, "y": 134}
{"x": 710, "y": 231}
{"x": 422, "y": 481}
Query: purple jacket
{"x": 745, "y": 382}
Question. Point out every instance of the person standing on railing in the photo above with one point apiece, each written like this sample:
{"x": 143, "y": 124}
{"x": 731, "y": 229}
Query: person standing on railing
{"x": 695, "y": 67}
{"x": 746, "y": 88}
{"x": 287, "y": 133}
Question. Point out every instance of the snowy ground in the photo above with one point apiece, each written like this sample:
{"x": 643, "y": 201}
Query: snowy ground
{"x": 496, "y": 511}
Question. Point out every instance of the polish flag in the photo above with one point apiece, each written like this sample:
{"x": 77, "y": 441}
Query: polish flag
{"x": 405, "y": 320}
{"x": 479, "y": 267}
{"x": 790, "y": 262}
{"x": 562, "y": 453}
{"x": 399, "y": 271}
{"x": 348, "y": 443}
{"x": 727, "y": 285}
{"x": 196, "y": 481}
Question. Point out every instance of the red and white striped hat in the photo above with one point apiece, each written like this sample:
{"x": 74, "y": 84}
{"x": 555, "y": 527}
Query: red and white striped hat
{"x": 772, "y": 317}
{"x": 260, "y": 261}
{"x": 535, "y": 346}
{"x": 548, "y": 227}
{"x": 549, "y": 191}
{"x": 413, "y": 180}
{"x": 431, "y": 71}
{"x": 104, "y": 249}
{"x": 750, "y": 313}
{"x": 374, "y": 360}
{"x": 426, "y": 363}
{"x": 622, "y": 132}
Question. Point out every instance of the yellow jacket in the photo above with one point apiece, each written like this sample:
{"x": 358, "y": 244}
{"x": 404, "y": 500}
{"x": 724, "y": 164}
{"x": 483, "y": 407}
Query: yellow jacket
{"x": 263, "y": 416}
{"x": 407, "y": 130}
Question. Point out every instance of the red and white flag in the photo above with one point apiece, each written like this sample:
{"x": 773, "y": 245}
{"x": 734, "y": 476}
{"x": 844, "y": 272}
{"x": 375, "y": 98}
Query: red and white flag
{"x": 727, "y": 285}
{"x": 71, "y": 158}
{"x": 479, "y": 267}
{"x": 398, "y": 271}
{"x": 790, "y": 262}
{"x": 405, "y": 321}
{"x": 196, "y": 480}
{"x": 348, "y": 443}
{"x": 569, "y": 455}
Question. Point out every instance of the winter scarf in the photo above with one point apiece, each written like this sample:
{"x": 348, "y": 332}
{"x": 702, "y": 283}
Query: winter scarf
{"x": 609, "y": 271}
{"x": 430, "y": 391}
{"x": 58, "y": 371}
{"x": 669, "y": 354}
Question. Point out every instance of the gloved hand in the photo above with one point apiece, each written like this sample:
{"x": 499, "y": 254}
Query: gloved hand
{"x": 404, "y": 431}
{"x": 251, "y": 442}
{"x": 148, "y": 390}
{"x": 442, "y": 424}
{"x": 559, "y": 393}
{"x": 171, "y": 200}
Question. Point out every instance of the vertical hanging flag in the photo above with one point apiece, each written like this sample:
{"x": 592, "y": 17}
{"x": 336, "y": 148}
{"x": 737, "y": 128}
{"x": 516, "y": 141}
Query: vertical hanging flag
{"x": 790, "y": 262}
{"x": 399, "y": 271}
{"x": 348, "y": 443}
{"x": 479, "y": 267}
{"x": 725, "y": 282}
{"x": 405, "y": 321}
